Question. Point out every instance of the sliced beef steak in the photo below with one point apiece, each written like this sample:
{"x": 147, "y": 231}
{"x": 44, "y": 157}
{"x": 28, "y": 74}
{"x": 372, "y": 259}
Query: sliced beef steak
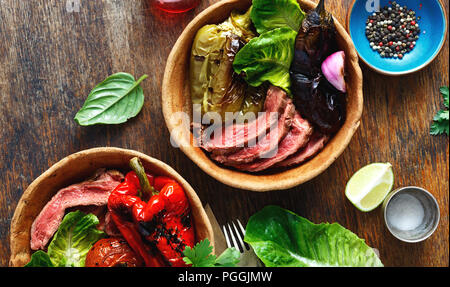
{"x": 265, "y": 145}
{"x": 297, "y": 137}
{"x": 91, "y": 192}
{"x": 314, "y": 146}
{"x": 276, "y": 100}
{"x": 236, "y": 136}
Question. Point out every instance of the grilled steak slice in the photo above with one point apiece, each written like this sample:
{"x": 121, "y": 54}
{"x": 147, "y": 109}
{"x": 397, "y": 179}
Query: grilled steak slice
{"x": 314, "y": 146}
{"x": 264, "y": 145}
{"x": 296, "y": 138}
{"x": 235, "y": 136}
{"x": 276, "y": 100}
{"x": 91, "y": 192}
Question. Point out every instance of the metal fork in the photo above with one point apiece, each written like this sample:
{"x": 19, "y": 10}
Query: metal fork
{"x": 234, "y": 239}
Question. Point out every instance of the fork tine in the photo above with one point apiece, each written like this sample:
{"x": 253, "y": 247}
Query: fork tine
{"x": 241, "y": 227}
{"x": 238, "y": 235}
{"x": 243, "y": 234}
{"x": 248, "y": 256}
{"x": 234, "y": 239}
{"x": 226, "y": 236}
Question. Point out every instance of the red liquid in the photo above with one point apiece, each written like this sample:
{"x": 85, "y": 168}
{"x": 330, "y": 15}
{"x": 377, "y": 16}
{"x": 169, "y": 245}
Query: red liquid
{"x": 175, "y": 6}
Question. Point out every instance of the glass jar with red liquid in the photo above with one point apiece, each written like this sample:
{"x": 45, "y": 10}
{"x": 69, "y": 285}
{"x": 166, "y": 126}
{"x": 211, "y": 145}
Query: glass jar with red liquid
{"x": 175, "y": 6}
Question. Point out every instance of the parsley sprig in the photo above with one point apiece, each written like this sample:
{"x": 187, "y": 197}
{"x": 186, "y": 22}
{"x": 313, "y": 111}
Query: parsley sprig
{"x": 440, "y": 121}
{"x": 201, "y": 256}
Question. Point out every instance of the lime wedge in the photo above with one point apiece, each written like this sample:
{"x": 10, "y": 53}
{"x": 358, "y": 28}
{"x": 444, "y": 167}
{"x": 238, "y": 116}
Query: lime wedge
{"x": 370, "y": 185}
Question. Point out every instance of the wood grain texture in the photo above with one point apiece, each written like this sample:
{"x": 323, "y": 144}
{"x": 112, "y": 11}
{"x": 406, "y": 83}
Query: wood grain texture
{"x": 50, "y": 59}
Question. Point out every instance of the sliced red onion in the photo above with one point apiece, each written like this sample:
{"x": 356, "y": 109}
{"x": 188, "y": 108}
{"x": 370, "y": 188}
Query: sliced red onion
{"x": 333, "y": 70}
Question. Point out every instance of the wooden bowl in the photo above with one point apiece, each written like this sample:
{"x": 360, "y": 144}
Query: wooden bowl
{"x": 76, "y": 168}
{"x": 176, "y": 99}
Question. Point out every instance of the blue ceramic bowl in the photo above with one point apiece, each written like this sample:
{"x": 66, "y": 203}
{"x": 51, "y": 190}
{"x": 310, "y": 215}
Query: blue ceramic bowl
{"x": 433, "y": 26}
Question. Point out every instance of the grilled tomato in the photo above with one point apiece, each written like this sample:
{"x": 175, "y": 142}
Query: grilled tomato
{"x": 112, "y": 252}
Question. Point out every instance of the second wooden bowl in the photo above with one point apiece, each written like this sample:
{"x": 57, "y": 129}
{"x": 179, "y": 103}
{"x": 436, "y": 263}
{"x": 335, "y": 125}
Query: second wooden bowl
{"x": 76, "y": 168}
{"x": 176, "y": 100}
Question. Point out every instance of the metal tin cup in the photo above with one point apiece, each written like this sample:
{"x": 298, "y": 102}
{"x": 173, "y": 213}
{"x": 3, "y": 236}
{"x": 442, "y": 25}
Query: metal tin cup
{"x": 411, "y": 213}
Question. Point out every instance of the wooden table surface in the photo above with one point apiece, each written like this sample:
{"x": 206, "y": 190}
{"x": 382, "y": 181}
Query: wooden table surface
{"x": 51, "y": 57}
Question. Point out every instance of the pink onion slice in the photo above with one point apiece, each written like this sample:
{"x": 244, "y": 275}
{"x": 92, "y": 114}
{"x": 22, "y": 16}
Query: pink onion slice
{"x": 333, "y": 68}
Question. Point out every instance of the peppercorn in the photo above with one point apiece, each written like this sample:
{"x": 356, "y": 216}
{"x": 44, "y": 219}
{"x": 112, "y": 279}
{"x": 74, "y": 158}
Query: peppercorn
{"x": 394, "y": 28}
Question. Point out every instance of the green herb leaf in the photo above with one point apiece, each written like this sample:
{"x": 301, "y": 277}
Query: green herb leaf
{"x": 441, "y": 115}
{"x": 281, "y": 238}
{"x": 267, "y": 15}
{"x": 440, "y": 123}
{"x": 201, "y": 256}
{"x": 115, "y": 100}
{"x": 40, "y": 259}
{"x": 267, "y": 58}
{"x": 440, "y": 126}
{"x": 444, "y": 92}
{"x": 229, "y": 258}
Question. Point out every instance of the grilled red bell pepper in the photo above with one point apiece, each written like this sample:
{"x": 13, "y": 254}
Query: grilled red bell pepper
{"x": 157, "y": 230}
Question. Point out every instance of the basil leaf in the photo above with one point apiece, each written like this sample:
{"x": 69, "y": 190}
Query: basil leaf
{"x": 281, "y": 238}
{"x": 115, "y": 100}
{"x": 267, "y": 15}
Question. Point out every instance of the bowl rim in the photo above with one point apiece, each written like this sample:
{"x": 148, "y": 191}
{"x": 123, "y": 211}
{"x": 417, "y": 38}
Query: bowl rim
{"x": 410, "y": 71}
{"x": 417, "y": 189}
{"x": 22, "y": 203}
{"x": 254, "y": 180}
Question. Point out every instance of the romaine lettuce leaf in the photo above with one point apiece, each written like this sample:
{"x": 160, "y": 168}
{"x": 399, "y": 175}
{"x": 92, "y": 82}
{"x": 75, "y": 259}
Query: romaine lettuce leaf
{"x": 71, "y": 243}
{"x": 267, "y": 58}
{"x": 281, "y": 238}
{"x": 267, "y": 15}
{"x": 75, "y": 236}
